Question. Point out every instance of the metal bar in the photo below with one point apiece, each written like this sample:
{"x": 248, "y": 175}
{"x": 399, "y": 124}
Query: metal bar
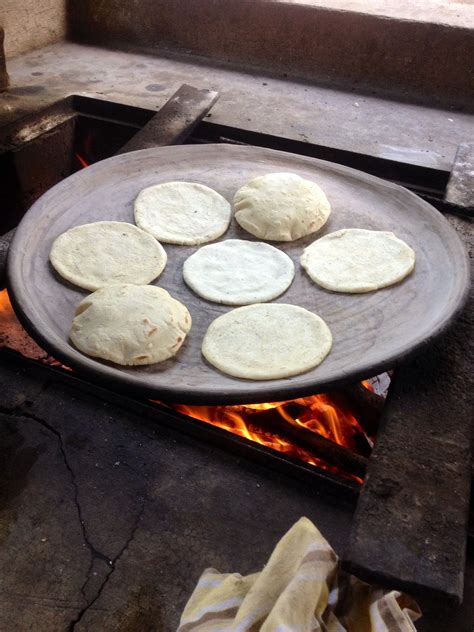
{"x": 415, "y": 177}
{"x": 175, "y": 120}
{"x": 111, "y": 111}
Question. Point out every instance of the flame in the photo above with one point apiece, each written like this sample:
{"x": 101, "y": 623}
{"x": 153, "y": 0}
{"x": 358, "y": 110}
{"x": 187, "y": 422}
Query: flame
{"x": 82, "y": 161}
{"x": 317, "y": 413}
{"x": 368, "y": 385}
{"x": 320, "y": 414}
{"x": 227, "y": 418}
{"x": 13, "y": 336}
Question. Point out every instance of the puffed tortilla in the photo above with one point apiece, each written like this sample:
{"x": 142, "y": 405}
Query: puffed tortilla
{"x": 267, "y": 341}
{"x": 239, "y": 272}
{"x": 356, "y": 260}
{"x": 281, "y": 207}
{"x": 94, "y": 255}
{"x": 183, "y": 213}
{"x": 130, "y": 324}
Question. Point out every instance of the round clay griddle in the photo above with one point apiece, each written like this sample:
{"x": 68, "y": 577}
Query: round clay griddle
{"x": 371, "y": 332}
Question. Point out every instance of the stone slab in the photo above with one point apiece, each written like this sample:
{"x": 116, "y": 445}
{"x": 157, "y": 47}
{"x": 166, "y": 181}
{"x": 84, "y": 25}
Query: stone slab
{"x": 416, "y": 491}
{"x": 259, "y": 101}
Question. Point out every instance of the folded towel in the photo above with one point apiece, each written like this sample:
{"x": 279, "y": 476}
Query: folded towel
{"x": 301, "y": 589}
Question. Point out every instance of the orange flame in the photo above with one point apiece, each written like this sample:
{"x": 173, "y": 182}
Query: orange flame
{"x": 323, "y": 416}
{"x": 13, "y": 336}
{"x": 81, "y": 160}
{"x": 318, "y": 413}
{"x": 225, "y": 417}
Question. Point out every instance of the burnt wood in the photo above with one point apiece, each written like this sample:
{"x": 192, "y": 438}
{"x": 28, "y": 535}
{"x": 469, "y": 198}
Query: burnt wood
{"x": 365, "y": 405}
{"x": 410, "y": 525}
{"x": 332, "y": 453}
{"x": 175, "y": 121}
{"x": 371, "y": 331}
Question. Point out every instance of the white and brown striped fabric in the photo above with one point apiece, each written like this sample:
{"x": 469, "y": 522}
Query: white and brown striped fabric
{"x": 299, "y": 590}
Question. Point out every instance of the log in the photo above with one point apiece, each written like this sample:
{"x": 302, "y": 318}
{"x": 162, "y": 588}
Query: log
{"x": 332, "y": 453}
{"x": 365, "y": 405}
{"x": 5, "y": 242}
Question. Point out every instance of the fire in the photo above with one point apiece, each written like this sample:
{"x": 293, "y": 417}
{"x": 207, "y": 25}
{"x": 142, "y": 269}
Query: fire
{"x": 259, "y": 423}
{"x": 13, "y": 336}
{"x": 81, "y": 160}
{"x": 325, "y": 417}
{"x": 85, "y": 154}
{"x": 227, "y": 418}
{"x": 270, "y": 424}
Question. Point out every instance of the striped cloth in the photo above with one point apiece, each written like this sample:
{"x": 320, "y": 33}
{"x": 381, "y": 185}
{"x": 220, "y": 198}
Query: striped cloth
{"x": 300, "y": 589}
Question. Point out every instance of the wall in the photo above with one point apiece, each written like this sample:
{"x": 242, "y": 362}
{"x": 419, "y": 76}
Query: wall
{"x": 414, "y": 59}
{"x": 29, "y": 24}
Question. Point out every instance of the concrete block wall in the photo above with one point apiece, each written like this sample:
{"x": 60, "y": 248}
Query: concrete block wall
{"x": 29, "y": 24}
{"x": 421, "y": 59}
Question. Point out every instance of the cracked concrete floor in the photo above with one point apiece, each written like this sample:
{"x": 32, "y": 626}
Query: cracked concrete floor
{"x": 107, "y": 520}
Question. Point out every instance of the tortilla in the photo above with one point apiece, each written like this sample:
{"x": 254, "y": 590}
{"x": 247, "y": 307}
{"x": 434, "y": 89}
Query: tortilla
{"x": 183, "y": 213}
{"x": 267, "y": 341}
{"x": 238, "y": 272}
{"x": 281, "y": 207}
{"x": 104, "y": 253}
{"x": 356, "y": 260}
{"x": 130, "y": 324}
